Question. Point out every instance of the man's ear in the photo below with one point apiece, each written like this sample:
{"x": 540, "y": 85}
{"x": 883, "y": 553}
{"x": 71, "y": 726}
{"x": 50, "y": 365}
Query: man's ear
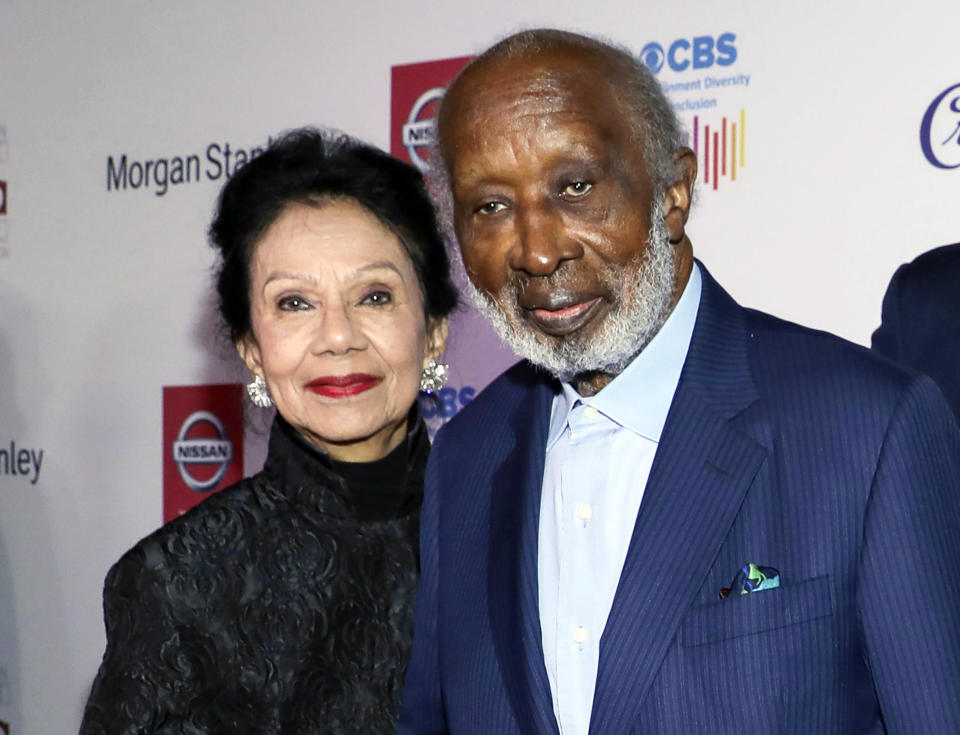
{"x": 436, "y": 338}
{"x": 677, "y": 197}
{"x": 249, "y": 352}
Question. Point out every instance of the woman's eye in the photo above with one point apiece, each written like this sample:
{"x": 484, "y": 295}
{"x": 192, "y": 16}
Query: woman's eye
{"x": 490, "y": 207}
{"x": 577, "y": 188}
{"x": 377, "y": 298}
{"x": 293, "y": 303}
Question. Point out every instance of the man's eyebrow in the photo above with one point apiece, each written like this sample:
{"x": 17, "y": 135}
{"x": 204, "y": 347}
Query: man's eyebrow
{"x": 577, "y": 155}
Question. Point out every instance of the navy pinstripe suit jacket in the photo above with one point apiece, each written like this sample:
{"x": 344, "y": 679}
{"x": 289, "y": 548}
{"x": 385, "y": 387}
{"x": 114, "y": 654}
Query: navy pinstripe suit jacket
{"x": 783, "y": 446}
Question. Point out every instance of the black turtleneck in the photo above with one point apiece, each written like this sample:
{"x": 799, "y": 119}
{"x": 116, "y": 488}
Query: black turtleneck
{"x": 381, "y": 490}
{"x": 378, "y": 489}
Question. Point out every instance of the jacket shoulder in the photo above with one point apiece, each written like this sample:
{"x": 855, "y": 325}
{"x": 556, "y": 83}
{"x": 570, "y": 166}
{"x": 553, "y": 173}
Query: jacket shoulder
{"x": 206, "y": 526}
{"x": 500, "y": 399}
{"x": 928, "y": 285}
{"x": 790, "y": 359}
{"x": 934, "y": 262}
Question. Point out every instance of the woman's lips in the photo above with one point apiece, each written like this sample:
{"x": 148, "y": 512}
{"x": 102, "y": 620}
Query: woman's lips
{"x": 341, "y": 386}
{"x": 564, "y": 320}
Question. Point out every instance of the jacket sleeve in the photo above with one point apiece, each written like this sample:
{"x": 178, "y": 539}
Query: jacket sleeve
{"x": 422, "y": 712}
{"x": 143, "y": 682}
{"x": 909, "y": 588}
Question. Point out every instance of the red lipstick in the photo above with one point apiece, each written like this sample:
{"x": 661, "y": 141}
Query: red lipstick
{"x": 341, "y": 386}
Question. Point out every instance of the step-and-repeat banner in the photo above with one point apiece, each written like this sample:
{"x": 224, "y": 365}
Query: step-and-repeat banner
{"x": 828, "y": 142}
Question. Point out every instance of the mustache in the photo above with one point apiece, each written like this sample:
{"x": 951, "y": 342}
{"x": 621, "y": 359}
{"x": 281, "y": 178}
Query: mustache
{"x": 566, "y": 279}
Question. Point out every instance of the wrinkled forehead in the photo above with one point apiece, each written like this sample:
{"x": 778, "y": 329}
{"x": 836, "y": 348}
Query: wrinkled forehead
{"x": 567, "y": 82}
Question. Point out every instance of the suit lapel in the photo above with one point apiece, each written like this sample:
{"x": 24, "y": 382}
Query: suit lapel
{"x": 512, "y": 569}
{"x": 699, "y": 477}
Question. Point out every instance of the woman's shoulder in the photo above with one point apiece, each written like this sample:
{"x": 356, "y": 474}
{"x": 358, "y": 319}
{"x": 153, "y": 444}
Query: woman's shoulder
{"x": 220, "y": 526}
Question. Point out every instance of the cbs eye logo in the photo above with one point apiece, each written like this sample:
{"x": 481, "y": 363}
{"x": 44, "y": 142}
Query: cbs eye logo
{"x": 652, "y": 55}
{"x": 940, "y": 129}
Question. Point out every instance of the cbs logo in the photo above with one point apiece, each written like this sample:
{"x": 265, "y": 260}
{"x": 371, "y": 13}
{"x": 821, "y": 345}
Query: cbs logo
{"x": 701, "y": 52}
{"x": 446, "y": 402}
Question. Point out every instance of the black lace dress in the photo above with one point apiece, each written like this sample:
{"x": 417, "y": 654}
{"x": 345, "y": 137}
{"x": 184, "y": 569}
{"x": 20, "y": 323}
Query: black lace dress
{"x": 283, "y": 604}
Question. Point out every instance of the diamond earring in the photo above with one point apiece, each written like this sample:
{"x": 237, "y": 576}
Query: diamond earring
{"x": 433, "y": 377}
{"x": 258, "y": 392}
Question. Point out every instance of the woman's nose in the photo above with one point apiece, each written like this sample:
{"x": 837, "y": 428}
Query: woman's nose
{"x": 338, "y": 330}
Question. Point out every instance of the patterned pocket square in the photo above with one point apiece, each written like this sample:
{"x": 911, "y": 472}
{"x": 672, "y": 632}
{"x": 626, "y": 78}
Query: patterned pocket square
{"x": 752, "y": 578}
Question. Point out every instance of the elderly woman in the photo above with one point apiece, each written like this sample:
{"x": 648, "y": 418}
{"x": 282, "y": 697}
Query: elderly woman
{"x": 284, "y": 604}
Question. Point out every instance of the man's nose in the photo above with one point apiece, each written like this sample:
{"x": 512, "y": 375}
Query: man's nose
{"x": 541, "y": 243}
{"x": 338, "y": 330}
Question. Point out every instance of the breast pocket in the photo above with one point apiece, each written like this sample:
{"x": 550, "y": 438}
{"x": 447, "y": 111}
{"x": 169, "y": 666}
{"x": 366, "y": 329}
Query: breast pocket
{"x": 758, "y": 611}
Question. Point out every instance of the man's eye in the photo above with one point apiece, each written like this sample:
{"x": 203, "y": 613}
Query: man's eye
{"x": 577, "y": 189}
{"x": 491, "y": 207}
{"x": 293, "y": 303}
{"x": 377, "y": 298}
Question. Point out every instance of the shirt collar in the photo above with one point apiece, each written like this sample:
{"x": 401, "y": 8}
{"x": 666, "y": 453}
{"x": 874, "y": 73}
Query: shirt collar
{"x": 639, "y": 398}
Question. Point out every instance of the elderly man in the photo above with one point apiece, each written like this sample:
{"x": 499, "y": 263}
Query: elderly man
{"x": 677, "y": 515}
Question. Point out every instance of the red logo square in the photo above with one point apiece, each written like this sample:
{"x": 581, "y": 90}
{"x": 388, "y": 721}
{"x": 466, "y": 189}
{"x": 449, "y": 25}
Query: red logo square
{"x": 202, "y": 443}
{"x": 415, "y": 91}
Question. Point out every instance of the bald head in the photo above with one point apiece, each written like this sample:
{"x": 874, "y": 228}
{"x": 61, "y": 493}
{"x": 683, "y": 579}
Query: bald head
{"x": 612, "y": 70}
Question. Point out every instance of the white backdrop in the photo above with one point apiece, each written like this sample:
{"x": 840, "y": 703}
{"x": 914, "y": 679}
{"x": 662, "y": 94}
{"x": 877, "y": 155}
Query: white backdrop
{"x": 105, "y": 297}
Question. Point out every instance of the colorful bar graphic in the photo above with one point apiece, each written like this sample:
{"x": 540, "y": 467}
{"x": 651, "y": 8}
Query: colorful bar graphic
{"x": 728, "y": 147}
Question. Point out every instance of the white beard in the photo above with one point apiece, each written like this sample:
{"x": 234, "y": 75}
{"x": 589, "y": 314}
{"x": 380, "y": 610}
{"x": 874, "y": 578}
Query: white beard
{"x": 642, "y": 291}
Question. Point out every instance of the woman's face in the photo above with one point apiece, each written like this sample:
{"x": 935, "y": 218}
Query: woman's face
{"x": 338, "y": 328}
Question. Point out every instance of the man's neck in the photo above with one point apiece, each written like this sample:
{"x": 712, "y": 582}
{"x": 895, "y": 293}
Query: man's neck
{"x": 589, "y": 384}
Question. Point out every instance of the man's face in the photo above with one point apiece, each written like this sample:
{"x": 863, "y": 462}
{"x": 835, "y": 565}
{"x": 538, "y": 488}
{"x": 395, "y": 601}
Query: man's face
{"x": 552, "y": 208}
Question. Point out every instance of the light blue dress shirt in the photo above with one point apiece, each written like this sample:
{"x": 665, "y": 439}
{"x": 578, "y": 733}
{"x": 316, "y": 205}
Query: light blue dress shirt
{"x": 598, "y": 457}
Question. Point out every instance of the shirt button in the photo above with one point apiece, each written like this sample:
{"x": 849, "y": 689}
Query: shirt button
{"x": 580, "y": 635}
{"x": 584, "y": 512}
{"x": 591, "y": 413}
